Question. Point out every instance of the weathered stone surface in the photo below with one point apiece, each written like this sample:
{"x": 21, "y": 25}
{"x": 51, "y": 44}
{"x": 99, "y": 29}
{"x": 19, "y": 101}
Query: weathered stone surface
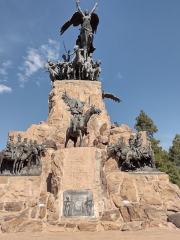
{"x": 112, "y": 215}
{"x": 50, "y": 144}
{"x": 2, "y": 192}
{"x": 42, "y": 212}
{"x": 111, "y": 164}
{"x": 118, "y": 132}
{"x": 34, "y": 212}
{"x": 52, "y": 216}
{"x": 125, "y": 214}
{"x": 13, "y": 206}
{"x": 91, "y": 227}
{"x": 31, "y": 226}
{"x": 147, "y": 193}
{"x": 1, "y": 206}
{"x": 132, "y": 226}
{"x": 11, "y": 226}
{"x": 155, "y": 214}
{"x": 128, "y": 191}
{"x": 31, "y": 202}
{"x": 112, "y": 225}
{"x": 175, "y": 219}
{"x": 136, "y": 213}
{"x": 43, "y": 197}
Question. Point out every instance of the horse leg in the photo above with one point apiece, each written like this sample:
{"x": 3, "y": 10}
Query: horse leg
{"x": 75, "y": 141}
{"x": 67, "y": 139}
{"x": 127, "y": 160}
{"x": 14, "y": 164}
{"x": 1, "y": 160}
{"x": 79, "y": 73}
{"x": 81, "y": 139}
{"x": 74, "y": 73}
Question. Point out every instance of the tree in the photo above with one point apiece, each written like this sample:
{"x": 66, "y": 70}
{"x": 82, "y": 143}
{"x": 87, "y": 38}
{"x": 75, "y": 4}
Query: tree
{"x": 174, "y": 151}
{"x": 174, "y": 157}
{"x": 117, "y": 125}
{"x": 144, "y": 123}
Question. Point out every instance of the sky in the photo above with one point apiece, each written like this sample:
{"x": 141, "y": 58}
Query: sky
{"x": 137, "y": 41}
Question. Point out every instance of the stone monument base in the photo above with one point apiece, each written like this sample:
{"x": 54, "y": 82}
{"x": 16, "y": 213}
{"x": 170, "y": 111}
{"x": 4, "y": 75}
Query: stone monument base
{"x": 122, "y": 202}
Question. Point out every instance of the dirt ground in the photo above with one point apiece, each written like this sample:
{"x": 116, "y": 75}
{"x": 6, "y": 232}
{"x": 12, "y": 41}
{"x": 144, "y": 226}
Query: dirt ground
{"x": 110, "y": 235}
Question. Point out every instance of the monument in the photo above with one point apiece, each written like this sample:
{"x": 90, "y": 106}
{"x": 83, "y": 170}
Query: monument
{"x": 77, "y": 172}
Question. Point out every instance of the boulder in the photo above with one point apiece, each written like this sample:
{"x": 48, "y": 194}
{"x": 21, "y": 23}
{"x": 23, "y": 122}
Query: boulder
{"x": 175, "y": 219}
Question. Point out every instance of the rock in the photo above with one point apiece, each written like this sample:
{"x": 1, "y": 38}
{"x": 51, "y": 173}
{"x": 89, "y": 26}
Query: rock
{"x": 155, "y": 214}
{"x": 128, "y": 191}
{"x": 136, "y": 213}
{"x": 34, "y": 212}
{"x": 53, "y": 216}
{"x": 43, "y": 197}
{"x": 125, "y": 214}
{"x": 2, "y": 192}
{"x": 51, "y": 203}
{"x": 111, "y": 215}
{"x": 31, "y": 202}
{"x": 1, "y": 206}
{"x": 91, "y": 227}
{"x": 148, "y": 194}
{"x": 11, "y": 226}
{"x": 111, "y": 164}
{"x": 175, "y": 219}
{"x": 42, "y": 212}
{"x": 112, "y": 225}
{"x": 50, "y": 144}
{"x": 30, "y": 226}
{"x": 132, "y": 226}
{"x": 13, "y": 206}
{"x": 70, "y": 225}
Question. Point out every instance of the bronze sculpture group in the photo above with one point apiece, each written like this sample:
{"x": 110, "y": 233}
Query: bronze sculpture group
{"x": 25, "y": 157}
{"x": 82, "y": 65}
{"x": 78, "y": 126}
{"x": 133, "y": 156}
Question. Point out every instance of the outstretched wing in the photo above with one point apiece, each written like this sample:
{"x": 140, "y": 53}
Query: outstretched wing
{"x": 111, "y": 96}
{"x": 94, "y": 22}
{"x": 76, "y": 19}
{"x": 66, "y": 99}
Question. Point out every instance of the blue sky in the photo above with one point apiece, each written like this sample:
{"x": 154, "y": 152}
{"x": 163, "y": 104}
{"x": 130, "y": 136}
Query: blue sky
{"x": 138, "y": 42}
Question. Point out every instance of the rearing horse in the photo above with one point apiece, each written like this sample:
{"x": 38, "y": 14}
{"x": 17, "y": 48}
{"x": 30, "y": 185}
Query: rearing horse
{"x": 81, "y": 127}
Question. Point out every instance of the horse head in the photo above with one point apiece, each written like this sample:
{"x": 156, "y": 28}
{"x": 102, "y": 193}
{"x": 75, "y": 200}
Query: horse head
{"x": 111, "y": 149}
{"x": 95, "y": 110}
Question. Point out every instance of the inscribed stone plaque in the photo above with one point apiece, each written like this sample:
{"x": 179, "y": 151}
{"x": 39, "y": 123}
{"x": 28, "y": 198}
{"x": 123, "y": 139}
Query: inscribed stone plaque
{"x": 79, "y": 168}
{"x": 78, "y": 204}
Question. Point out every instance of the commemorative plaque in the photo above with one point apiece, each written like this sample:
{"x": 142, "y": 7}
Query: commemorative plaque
{"x": 78, "y": 204}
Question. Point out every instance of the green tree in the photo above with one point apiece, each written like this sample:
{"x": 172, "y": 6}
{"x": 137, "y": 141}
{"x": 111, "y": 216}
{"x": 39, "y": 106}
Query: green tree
{"x": 174, "y": 158}
{"x": 174, "y": 151}
{"x": 116, "y": 123}
{"x": 144, "y": 123}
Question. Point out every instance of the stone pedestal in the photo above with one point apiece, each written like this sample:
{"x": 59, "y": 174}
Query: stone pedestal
{"x": 59, "y": 119}
{"x": 77, "y": 169}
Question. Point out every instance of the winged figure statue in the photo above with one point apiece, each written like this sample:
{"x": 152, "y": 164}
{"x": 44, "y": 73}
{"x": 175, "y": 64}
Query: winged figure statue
{"x": 111, "y": 96}
{"x": 89, "y": 23}
{"x": 74, "y": 104}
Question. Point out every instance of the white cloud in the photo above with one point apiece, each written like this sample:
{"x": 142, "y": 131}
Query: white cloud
{"x": 4, "y": 88}
{"x": 3, "y": 71}
{"x": 36, "y": 58}
{"x": 7, "y": 64}
{"x": 3, "y": 80}
{"x": 22, "y": 80}
{"x": 119, "y": 75}
{"x": 38, "y": 83}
